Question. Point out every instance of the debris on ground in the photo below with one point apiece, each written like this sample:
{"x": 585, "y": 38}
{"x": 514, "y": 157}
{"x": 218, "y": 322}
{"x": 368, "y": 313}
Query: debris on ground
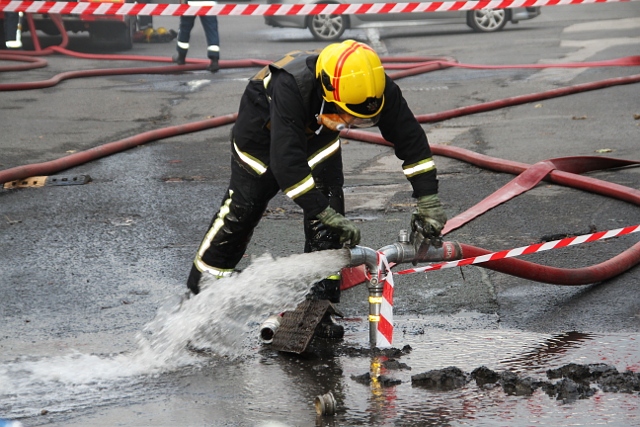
{"x": 575, "y": 381}
{"x": 441, "y": 379}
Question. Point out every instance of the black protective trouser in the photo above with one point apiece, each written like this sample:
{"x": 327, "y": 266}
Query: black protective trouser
{"x": 11, "y": 22}
{"x": 210, "y": 25}
{"x": 242, "y": 208}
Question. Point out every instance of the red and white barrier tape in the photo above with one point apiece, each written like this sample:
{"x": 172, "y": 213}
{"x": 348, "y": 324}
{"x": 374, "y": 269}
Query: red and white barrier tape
{"x": 109, "y": 8}
{"x": 525, "y": 250}
{"x": 384, "y": 332}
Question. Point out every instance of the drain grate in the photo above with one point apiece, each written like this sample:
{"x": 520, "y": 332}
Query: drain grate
{"x": 297, "y": 326}
{"x": 41, "y": 181}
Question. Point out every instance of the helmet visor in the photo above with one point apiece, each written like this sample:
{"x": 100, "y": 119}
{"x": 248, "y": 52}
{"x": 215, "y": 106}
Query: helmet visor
{"x": 358, "y": 122}
{"x": 343, "y": 120}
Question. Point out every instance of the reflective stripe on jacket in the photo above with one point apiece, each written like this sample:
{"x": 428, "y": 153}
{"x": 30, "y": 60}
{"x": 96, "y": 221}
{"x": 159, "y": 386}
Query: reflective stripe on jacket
{"x": 277, "y": 130}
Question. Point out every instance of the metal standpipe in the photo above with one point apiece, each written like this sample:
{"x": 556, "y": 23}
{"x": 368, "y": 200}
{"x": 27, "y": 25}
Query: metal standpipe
{"x": 412, "y": 248}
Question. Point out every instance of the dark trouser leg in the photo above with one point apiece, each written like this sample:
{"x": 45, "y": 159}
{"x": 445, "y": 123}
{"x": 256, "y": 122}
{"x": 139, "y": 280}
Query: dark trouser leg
{"x": 210, "y": 25}
{"x": 184, "y": 35}
{"x": 329, "y": 180}
{"x": 144, "y": 21}
{"x": 231, "y": 229}
{"x": 11, "y": 22}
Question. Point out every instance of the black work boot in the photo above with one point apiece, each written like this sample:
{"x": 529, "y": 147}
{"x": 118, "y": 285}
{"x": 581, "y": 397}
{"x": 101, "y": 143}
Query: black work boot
{"x": 213, "y": 65}
{"x": 328, "y": 328}
{"x": 179, "y": 58}
{"x": 325, "y": 289}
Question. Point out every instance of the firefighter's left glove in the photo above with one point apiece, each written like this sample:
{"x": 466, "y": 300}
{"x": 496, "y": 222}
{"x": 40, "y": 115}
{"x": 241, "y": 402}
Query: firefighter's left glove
{"x": 349, "y": 233}
{"x": 430, "y": 216}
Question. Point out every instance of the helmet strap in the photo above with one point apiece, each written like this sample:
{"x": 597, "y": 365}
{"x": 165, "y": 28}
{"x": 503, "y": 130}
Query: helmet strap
{"x": 318, "y": 118}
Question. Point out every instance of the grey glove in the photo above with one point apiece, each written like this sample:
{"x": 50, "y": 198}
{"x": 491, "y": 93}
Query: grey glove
{"x": 430, "y": 216}
{"x": 347, "y": 230}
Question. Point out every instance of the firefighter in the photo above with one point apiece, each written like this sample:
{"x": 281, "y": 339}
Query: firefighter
{"x": 286, "y": 138}
{"x": 210, "y": 25}
{"x": 13, "y": 30}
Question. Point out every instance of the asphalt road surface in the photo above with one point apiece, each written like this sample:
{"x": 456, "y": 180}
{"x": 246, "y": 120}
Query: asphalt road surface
{"x": 84, "y": 269}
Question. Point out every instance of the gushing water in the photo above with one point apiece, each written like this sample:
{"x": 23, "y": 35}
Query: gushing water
{"x": 220, "y": 319}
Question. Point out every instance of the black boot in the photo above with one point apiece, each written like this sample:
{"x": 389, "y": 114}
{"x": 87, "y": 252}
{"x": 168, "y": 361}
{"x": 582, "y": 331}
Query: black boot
{"x": 180, "y": 58}
{"x": 328, "y": 328}
{"x": 325, "y": 289}
{"x": 213, "y": 65}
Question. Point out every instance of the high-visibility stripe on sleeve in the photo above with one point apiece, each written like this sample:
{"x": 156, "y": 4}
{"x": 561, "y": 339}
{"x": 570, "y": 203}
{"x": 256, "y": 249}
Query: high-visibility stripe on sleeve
{"x": 300, "y": 188}
{"x": 251, "y": 161}
{"x": 422, "y": 166}
{"x": 324, "y": 153}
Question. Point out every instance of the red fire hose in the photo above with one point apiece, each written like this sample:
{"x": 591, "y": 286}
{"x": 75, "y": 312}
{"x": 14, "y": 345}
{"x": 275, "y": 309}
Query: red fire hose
{"x": 563, "y": 171}
{"x": 560, "y": 276}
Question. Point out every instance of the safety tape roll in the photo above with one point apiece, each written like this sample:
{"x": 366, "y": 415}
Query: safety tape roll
{"x": 108, "y": 8}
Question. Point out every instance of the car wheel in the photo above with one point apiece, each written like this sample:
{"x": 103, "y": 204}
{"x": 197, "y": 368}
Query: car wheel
{"x": 487, "y": 20}
{"x": 327, "y": 27}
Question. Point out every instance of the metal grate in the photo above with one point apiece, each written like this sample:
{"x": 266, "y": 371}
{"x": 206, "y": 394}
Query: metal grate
{"x": 298, "y": 326}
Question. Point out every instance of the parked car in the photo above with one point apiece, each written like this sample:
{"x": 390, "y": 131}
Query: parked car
{"x": 113, "y": 31}
{"x": 327, "y": 27}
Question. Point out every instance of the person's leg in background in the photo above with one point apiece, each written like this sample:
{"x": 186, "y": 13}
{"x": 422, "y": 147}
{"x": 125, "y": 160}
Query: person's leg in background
{"x": 12, "y": 30}
{"x": 144, "y": 21}
{"x": 184, "y": 35}
{"x": 210, "y": 25}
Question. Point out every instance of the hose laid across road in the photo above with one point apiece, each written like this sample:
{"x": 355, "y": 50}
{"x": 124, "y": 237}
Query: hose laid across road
{"x": 565, "y": 171}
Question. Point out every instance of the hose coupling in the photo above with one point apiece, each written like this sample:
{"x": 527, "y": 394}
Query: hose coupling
{"x": 325, "y": 404}
{"x": 269, "y": 327}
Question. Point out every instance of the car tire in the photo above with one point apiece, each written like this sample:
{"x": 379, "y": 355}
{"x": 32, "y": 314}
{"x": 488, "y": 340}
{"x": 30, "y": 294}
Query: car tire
{"x": 487, "y": 20}
{"x": 327, "y": 27}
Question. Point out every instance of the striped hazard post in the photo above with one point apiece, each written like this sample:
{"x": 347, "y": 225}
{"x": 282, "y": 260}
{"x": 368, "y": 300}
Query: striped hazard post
{"x": 381, "y": 311}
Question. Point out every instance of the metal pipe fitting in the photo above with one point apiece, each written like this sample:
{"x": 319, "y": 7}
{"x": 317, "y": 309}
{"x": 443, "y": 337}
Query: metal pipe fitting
{"x": 412, "y": 248}
{"x": 325, "y": 404}
{"x": 401, "y": 252}
{"x": 269, "y": 327}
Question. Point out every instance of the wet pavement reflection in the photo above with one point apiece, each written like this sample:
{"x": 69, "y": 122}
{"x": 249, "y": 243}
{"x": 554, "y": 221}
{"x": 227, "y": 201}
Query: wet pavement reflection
{"x": 376, "y": 387}
{"x": 371, "y": 387}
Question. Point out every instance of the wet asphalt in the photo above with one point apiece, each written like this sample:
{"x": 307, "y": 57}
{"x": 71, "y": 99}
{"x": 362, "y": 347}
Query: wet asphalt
{"x": 84, "y": 267}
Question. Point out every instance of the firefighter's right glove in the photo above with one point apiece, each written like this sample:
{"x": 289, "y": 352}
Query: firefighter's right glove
{"x": 430, "y": 216}
{"x": 349, "y": 233}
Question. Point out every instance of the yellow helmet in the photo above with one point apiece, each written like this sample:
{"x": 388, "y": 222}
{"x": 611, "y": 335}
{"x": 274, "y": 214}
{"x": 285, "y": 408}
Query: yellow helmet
{"x": 352, "y": 77}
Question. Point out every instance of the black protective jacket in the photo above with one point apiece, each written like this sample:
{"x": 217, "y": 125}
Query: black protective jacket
{"x": 277, "y": 128}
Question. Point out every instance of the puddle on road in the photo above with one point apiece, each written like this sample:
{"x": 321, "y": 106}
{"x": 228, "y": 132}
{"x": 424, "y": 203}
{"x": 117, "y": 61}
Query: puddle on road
{"x": 221, "y": 321}
{"x": 527, "y": 354}
{"x": 246, "y": 384}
